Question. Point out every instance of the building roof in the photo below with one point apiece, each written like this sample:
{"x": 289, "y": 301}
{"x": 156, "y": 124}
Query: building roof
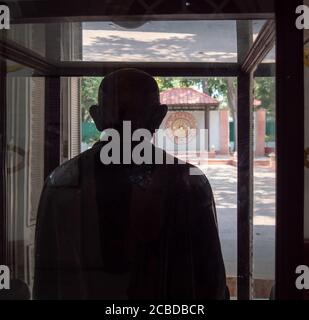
{"x": 189, "y": 96}
{"x": 185, "y": 96}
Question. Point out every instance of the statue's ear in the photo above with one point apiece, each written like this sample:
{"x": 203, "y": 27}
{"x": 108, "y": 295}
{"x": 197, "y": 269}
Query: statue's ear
{"x": 97, "y": 116}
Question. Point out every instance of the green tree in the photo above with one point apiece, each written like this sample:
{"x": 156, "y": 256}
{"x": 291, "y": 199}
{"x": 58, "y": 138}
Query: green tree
{"x": 89, "y": 95}
{"x": 265, "y": 90}
{"x": 168, "y": 83}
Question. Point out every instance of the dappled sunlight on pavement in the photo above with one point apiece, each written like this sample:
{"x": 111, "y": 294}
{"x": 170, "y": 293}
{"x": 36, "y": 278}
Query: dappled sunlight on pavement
{"x": 223, "y": 179}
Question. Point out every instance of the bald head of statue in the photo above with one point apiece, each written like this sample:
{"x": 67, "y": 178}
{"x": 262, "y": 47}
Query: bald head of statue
{"x": 128, "y": 95}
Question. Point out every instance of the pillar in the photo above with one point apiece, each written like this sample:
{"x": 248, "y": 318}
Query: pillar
{"x": 224, "y": 132}
{"x": 260, "y": 124}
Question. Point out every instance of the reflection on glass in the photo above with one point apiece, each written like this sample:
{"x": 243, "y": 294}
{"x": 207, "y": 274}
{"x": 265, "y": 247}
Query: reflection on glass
{"x": 25, "y": 161}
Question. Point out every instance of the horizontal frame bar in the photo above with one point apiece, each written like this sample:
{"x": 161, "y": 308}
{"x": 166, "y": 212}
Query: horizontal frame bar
{"x": 174, "y": 69}
{"x": 79, "y": 10}
{"x": 157, "y": 17}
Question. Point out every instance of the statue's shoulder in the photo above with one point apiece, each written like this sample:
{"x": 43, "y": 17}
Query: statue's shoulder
{"x": 186, "y": 175}
{"x": 68, "y": 173}
{"x": 194, "y": 181}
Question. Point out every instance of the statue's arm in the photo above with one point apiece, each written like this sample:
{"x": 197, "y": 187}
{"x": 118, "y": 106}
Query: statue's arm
{"x": 208, "y": 266}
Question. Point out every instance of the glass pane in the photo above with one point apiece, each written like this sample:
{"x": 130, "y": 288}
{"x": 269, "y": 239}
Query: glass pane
{"x": 30, "y": 36}
{"x": 264, "y": 220}
{"x": 256, "y": 27}
{"x": 207, "y": 104}
{"x": 18, "y": 70}
{"x": 153, "y": 41}
{"x": 173, "y": 41}
{"x": 271, "y": 56}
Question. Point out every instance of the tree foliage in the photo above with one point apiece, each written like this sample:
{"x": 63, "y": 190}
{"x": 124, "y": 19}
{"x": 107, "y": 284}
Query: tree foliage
{"x": 265, "y": 90}
{"x": 89, "y": 95}
{"x": 168, "y": 83}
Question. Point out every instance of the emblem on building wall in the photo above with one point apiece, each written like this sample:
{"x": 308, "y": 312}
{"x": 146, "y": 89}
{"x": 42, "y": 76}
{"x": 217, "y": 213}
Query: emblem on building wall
{"x": 181, "y": 127}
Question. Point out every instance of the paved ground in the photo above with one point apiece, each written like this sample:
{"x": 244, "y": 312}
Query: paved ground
{"x": 223, "y": 179}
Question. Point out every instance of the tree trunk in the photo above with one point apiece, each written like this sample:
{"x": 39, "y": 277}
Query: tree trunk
{"x": 205, "y": 86}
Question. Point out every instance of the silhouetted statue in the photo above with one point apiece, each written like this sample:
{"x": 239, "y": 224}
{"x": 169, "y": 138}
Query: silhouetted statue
{"x": 127, "y": 231}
